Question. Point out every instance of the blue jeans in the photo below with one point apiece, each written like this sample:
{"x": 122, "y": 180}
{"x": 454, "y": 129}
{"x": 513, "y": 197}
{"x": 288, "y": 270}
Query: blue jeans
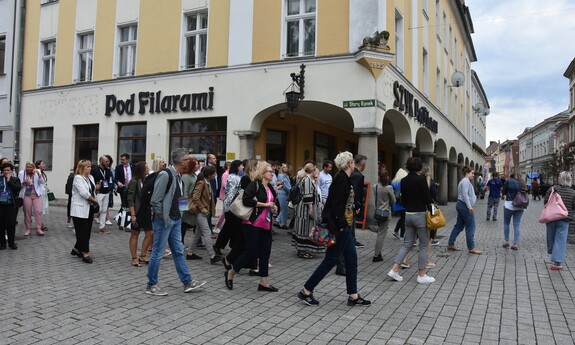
{"x": 516, "y": 214}
{"x": 344, "y": 245}
{"x": 557, "y": 239}
{"x": 465, "y": 219}
{"x": 172, "y": 234}
{"x": 283, "y": 215}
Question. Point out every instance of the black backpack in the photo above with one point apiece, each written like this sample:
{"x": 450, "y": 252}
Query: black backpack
{"x": 148, "y": 188}
{"x": 295, "y": 194}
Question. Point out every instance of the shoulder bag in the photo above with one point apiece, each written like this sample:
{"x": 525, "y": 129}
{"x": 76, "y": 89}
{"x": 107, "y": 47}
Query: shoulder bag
{"x": 380, "y": 213}
{"x": 238, "y": 208}
{"x": 435, "y": 219}
{"x": 321, "y": 236}
{"x": 554, "y": 209}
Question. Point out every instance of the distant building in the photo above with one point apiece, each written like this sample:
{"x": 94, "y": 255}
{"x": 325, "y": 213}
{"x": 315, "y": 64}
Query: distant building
{"x": 570, "y": 74}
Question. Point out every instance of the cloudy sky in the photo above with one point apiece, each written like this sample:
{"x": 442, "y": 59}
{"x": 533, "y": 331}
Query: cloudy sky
{"x": 523, "y": 48}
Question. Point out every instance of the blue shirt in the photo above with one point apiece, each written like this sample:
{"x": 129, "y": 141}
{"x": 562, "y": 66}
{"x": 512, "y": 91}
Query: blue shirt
{"x": 495, "y": 186}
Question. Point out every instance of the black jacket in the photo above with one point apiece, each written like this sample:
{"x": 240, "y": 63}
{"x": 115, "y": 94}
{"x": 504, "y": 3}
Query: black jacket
{"x": 334, "y": 209}
{"x": 415, "y": 195}
{"x": 257, "y": 189}
{"x": 357, "y": 180}
{"x": 15, "y": 185}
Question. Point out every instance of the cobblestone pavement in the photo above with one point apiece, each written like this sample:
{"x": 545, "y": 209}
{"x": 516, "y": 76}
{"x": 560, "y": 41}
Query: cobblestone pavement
{"x": 502, "y": 296}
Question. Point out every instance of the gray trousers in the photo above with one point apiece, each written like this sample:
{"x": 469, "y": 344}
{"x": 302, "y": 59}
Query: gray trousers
{"x": 382, "y": 228}
{"x": 203, "y": 231}
{"x": 415, "y": 224}
{"x": 492, "y": 203}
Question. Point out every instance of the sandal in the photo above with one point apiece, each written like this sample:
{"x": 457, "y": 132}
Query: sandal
{"x": 142, "y": 261}
{"x": 430, "y": 265}
{"x": 304, "y": 255}
{"x": 404, "y": 265}
{"x": 137, "y": 263}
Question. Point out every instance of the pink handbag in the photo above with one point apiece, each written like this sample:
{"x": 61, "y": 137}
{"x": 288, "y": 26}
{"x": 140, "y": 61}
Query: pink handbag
{"x": 554, "y": 209}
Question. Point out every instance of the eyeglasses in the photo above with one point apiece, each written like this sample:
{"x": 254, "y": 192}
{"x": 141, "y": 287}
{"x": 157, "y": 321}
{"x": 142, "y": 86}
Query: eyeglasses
{"x": 270, "y": 171}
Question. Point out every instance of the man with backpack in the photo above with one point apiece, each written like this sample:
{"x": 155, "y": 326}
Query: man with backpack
{"x": 167, "y": 202}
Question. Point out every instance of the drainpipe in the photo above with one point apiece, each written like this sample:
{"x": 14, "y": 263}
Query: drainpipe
{"x": 21, "y": 14}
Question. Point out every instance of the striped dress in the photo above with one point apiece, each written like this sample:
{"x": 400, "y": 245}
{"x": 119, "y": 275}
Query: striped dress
{"x": 303, "y": 222}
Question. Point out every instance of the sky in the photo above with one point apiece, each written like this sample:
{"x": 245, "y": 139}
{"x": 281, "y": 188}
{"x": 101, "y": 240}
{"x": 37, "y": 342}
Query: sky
{"x": 523, "y": 47}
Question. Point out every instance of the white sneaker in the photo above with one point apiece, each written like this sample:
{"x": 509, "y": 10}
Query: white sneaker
{"x": 70, "y": 225}
{"x": 194, "y": 285}
{"x": 425, "y": 279}
{"x": 109, "y": 223}
{"x": 395, "y": 276}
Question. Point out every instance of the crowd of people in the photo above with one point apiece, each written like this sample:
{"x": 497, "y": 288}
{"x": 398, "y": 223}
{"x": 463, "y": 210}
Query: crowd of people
{"x": 166, "y": 202}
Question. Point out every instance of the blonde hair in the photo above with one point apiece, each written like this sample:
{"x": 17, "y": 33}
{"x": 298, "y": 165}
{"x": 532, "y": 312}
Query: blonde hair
{"x": 400, "y": 174}
{"x": 260, "y": 170}
{"x": 565, "y": 179}
{"x": 157, "y": 163}
{"x": 307, "y": 169}
{"x": 342, "y": 160}
{"x": 425, "y": 172}
{"x": 250, "y": 168}
{"x": 81, "y": 166}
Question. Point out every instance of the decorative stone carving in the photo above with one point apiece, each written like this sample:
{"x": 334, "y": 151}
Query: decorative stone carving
{"x": 377, "y": 40}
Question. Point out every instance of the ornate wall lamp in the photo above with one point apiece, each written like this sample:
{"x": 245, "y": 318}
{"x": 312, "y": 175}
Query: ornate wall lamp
{"x": 296, "y": 89}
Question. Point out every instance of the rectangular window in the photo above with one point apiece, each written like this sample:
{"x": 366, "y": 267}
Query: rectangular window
{"x": 437, "y": 19}
{"x": 444, "y": 30}
{"x": 276, "y": 145}
{"x": 398, "y": 40}
{"x": 127, "y": 50}
{"x": 200, "y": 136}
{"x": 87, "y": 143}
{"x": 438, "y": 87}
{"x": 300, "y": 28}
{"x": 85, "y": 56}
{"x": 2, "y": 53}
{"x": 445, "y": 99}
{"x": 132, "y": 140}
{"x": 43, "y": 145}
{"x": 196, "y": 40}
{"x": 48, "y": 62}
{"x": 425, "y": 63}
{"x": 324, "y": 147}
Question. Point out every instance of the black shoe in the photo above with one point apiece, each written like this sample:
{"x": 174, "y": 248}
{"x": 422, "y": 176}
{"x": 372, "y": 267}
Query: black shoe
{"x": 269, "y": 288}
{"x": 218, "y": 251}
{"x": 358, "y": 301}
{"x": 2, "y": 246}
{"x": 215, "y": 259}
{"x": 377, "y": 258}
{"x": 12, "y": 246}
{"x": 340, "y": 272}
{"x": 87, "y": 259}
{"x": 494, "y": 219}
{"x": 193, "y": 257}
{"x": 229, "y": 282}
{"x": 359, "y": 244}
{"x": 254, "y": 273}
{"x": 74, "y": 252}
{"x": 227, "y": 267}
{"x": 307, "y": 299}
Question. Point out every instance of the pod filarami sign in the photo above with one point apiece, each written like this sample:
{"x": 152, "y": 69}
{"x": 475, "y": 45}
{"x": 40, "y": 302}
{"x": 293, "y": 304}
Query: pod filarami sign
{"x": 156, "y": 103}
{"x": 409, "y": 105}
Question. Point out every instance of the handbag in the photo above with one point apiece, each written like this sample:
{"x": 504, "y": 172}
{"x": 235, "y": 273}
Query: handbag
{"x": 94, "y": 208}
{"x": 435, "y": 219}
{"x": 380, "y": 214}
{"x": 51, "y": 196}
{"x": 554, "y": 209}
{"x": 521, "y": 199}
{"x": 321, "y": 236}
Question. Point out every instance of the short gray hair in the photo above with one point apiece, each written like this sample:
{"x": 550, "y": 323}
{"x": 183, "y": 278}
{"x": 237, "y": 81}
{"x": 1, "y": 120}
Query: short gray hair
{"x": 343, "y": 159}
{"x": 565, "y": 179}
{"x": 178, "y": 155}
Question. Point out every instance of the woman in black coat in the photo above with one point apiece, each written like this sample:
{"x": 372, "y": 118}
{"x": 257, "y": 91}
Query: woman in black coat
{"x": 9, "y": 204}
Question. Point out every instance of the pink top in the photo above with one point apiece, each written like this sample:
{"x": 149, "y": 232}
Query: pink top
{"x": 223, "y": 186}
{"x": 261, "y": 221}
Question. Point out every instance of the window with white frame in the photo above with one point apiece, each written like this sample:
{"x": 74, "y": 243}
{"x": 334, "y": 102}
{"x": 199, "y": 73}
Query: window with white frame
{"x": 48, "y": 62}
{"x": 300, "y": 28}
{"x": 196, "y": 39}
{"x": 425, "y": 63}
{"x": 445, "y": 99}
{"x": 444, "y": 29}
{"x": 85, "y": 56}
{"x": 437, "y": 19}
{"x": 2, "y": 53}
{"x": 398, "y": 40}
{"x": 438, "y": 87}
{"x": 127, "y": 50}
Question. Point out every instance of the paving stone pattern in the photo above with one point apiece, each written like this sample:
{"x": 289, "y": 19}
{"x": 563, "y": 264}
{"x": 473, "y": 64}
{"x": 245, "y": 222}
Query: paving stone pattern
{"x": 500, "y": 297}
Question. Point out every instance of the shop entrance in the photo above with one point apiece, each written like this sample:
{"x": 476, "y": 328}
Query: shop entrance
{"x": 276, "y": 145}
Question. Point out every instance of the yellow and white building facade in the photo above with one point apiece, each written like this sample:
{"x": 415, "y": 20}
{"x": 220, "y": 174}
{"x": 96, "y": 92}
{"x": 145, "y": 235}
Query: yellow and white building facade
{"x": 148, "y": 76}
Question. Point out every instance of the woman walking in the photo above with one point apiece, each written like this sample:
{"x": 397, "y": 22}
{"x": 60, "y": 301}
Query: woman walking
{"x": 261, "y": 196}
{"x": 417, "y": 200}
{"x": 557, "y": 230}
{"x": 189, "y": 177}
{"x": 83, "y": 201}
{"x": 465, "y": 213}
{"x": 229, "y": 232}
{"x": 40, "y": 168}
{"x": 304, "y": 215}
{"x": 399, "y": 231}
{"x": 140, "y": 217}
{"x": 510, "y": 189}
{"x": 384, "y": 198}
{"x": 338, "y": 213}
{"x": 283, "y": 193}
{"x": 9, "y": 189}
{"x": 32, "y": 192}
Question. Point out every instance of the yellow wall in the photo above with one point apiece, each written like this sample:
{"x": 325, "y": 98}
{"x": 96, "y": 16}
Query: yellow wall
{"x": 332, "y": 27}
{"x": 31, "y": 44}
{"x": 300, "y": 136}
{"x": 159, "y": 26}
{"x": 266, "y": 31}
{"x": 218, "y": 33}
{"x": 65, "y": 43}
{"x": 104, "y": 37}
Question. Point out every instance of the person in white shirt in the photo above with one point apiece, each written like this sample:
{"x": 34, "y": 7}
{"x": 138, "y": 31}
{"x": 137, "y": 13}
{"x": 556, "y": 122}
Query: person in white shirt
{"x": 325, "y": 179}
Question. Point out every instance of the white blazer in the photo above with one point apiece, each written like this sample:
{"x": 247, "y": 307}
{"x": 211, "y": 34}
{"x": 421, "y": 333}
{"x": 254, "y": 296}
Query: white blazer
{"x": 80, "y": 206}
{"x": 39, "y": 183}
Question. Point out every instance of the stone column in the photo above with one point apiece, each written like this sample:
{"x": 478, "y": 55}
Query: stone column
{"x": 452, "y": 182}
{"x": 367, "y": 146}
{"x": 403, "y": 153}
{"x": 441, "y": 178}
{"x": 247, "y": 144}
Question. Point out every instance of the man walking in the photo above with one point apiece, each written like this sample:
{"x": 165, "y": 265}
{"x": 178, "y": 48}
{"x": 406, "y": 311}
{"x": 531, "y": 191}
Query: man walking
{"x": 494, "y": 185}
{"x": 103, "y": 179}
{"x": 216, "y": 183}
{"x": 325, "y": 179}
{"x": 167, "y": 223}
{"x": 123, "y": 174}
{"x": 357, "y": 180}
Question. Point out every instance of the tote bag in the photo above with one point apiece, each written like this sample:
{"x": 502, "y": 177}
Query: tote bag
{"x": 554, "y": 209}
{"x": 436, "y": 219}
{"x": 239, "y": 209}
